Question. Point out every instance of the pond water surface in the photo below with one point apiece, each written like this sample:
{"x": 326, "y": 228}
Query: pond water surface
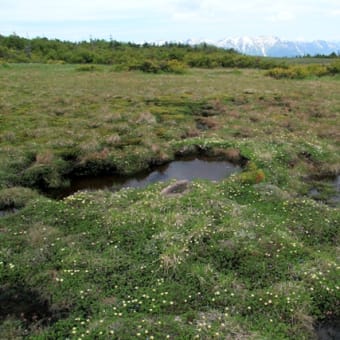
{"x": 184, "y": 169}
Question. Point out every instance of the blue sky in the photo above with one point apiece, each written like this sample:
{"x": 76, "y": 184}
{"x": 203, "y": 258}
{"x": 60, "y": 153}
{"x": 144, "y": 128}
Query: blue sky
{"x": 169, "y": 20}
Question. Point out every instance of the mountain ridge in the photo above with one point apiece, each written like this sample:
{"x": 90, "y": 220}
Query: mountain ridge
{"x": 271, "y": 46}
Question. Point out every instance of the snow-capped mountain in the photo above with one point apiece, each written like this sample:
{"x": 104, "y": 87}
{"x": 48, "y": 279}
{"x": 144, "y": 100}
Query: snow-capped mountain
{"x": 252, "y": 46}
{"x": 273, "y": 46}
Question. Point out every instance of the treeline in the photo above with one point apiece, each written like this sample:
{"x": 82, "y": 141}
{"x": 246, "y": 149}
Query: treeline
{"x": 170, "y": 57}
{"x": 332, "y": 55}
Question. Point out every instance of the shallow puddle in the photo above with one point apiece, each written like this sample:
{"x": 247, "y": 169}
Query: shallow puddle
{"x": 184, "y": 169}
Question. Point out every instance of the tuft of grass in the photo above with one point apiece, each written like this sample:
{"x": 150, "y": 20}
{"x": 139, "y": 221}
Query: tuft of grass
{"x": 16, "y": 197}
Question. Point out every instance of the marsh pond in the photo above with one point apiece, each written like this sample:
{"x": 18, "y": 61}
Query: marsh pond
{"x": 188, "y": 168}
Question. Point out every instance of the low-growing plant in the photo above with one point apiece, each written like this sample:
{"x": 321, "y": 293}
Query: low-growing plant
{"x": 251, "y": 174}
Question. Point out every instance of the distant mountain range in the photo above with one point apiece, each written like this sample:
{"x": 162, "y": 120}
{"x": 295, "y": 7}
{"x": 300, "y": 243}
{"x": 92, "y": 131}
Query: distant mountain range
{"x": 273, "y": 46}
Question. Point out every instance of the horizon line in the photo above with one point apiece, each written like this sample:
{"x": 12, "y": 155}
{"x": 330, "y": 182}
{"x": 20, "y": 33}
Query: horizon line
{"x": 179, "y": 41}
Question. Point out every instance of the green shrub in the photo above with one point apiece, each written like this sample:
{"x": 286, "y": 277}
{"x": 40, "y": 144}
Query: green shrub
{"x": 156, "y": 66}
{"x": 252, "y": 174}
{"x": 148, "y": 66}
{"x": 304, "y": 71}
{"x": 292, "y": 72}
{"x": 175, "y": 66}
{"x": 334, "y": 67}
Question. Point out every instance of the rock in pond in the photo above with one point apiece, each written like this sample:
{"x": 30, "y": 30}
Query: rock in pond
{"x": 176, "y": 188}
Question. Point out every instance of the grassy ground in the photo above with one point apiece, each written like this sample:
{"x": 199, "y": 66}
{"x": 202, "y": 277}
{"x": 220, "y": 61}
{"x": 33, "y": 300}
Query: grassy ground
{"x": 250, "y": 257}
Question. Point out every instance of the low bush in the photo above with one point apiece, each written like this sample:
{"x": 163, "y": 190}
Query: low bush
{"x": 252, "y": 174}
{"x": 156, "y": 66}
{"x": 334, "y": 67}
{"x": 304, "y": 71}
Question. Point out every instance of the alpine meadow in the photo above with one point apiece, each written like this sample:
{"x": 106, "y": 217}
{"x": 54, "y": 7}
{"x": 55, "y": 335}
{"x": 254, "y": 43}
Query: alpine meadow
{"x": 252, "y": 256}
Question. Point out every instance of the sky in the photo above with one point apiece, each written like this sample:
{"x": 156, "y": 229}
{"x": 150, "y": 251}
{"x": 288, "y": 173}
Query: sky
{"x": 170, "y": 20}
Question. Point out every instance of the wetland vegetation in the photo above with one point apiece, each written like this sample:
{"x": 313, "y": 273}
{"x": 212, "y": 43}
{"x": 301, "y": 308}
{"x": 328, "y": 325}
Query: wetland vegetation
{"x": 253, "y": 256}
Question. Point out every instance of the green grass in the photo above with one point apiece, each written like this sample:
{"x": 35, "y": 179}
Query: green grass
{"x": 249, "y": 257}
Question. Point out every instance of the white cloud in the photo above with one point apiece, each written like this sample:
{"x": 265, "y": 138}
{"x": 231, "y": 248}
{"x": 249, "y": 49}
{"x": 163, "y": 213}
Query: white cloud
{"x": 168, "y": 18}
{"x": 334, "y": 13}
{"x": 82, "y": 10}
{"x": 74, "y": 10}
{"x": 282, "y": 16}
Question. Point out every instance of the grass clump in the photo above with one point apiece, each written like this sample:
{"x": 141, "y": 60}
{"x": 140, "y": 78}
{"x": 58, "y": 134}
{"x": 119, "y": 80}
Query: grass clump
{"x": 16, "y": 197}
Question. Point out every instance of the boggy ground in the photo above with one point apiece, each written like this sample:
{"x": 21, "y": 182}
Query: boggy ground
{"x": 249, "y": 257}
